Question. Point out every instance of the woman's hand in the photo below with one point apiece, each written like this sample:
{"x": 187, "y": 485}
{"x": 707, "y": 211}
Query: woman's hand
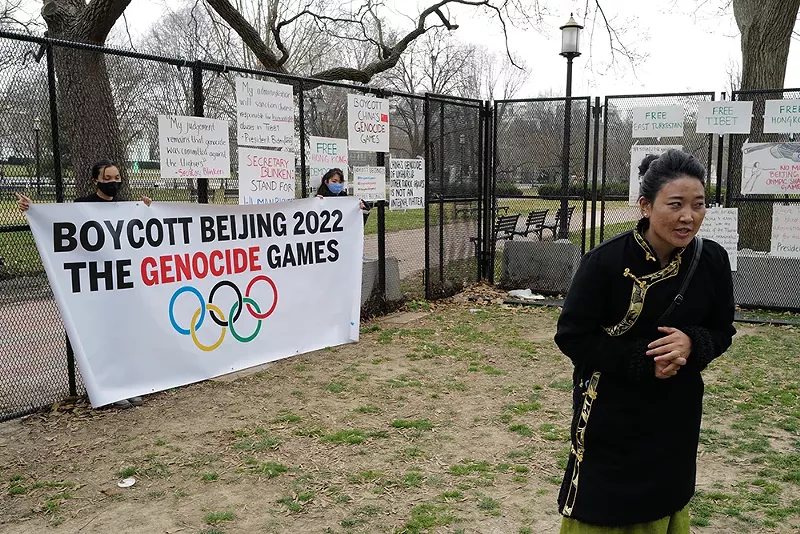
{"x": 319, "y": 196}
{"x": 670, "y": 352}
{"x": 147, "y": 200}
{"x": 23, "y": 202}
{"x": 363, "y": 207}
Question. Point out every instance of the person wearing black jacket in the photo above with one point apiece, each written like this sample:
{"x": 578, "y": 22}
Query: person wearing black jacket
{"x": 638, "y": 389}
{"x": 333, "y": 185}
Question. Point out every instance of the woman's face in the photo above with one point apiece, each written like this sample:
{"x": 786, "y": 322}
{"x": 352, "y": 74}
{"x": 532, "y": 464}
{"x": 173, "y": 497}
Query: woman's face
{"x": 336, "y": 179}
{"x": 677, "y": 213}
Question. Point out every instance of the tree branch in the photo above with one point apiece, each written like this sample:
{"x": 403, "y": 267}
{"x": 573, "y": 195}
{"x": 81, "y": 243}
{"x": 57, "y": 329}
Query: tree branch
{"x": 98, "y": 18}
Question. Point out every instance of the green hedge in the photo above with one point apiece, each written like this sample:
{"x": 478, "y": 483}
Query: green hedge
{"x": 575, "y": 190}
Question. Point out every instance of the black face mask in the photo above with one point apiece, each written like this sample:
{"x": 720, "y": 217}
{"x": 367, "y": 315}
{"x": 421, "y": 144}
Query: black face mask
{"x": 109, "y": 188}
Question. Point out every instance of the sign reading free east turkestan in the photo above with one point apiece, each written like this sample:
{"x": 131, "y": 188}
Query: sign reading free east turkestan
{"x": 658, "y": 121}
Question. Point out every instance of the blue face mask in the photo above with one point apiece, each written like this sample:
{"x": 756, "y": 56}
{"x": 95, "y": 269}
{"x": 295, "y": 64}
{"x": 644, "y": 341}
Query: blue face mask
{"x": 335, "y": 188}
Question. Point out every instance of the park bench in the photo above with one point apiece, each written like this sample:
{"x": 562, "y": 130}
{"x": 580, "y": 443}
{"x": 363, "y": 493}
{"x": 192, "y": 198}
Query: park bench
{"x": 505, "y": 228}
{"x": 534, "y": 223}
{"x": 554, "y": 225}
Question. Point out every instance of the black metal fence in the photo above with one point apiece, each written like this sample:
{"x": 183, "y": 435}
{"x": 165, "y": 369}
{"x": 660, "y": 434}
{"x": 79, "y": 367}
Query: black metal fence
{"x": 501, "y": 191}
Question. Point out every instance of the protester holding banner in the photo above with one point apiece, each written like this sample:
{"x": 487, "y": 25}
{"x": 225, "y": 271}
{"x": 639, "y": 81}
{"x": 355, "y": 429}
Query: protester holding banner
{"x": 646, "y": 313}
{"x": 107, "y": 181}
{"x": 333, "y": 185}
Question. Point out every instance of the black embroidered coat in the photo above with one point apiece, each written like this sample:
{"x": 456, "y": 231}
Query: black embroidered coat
{"x": 635, "y": 437}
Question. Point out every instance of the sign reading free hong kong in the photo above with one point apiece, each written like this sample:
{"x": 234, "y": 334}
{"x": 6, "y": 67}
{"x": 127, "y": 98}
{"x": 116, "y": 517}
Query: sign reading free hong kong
{"x": 161, "y": 296}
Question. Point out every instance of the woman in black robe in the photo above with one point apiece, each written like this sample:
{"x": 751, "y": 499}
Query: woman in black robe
{"x": 638, "y": 394}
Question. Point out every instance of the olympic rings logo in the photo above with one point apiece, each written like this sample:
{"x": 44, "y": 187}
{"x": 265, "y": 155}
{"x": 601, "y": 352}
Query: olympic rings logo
{"x": 217, "y": 315}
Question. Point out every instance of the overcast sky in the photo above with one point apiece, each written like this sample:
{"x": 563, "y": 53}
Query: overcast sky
{"x": 687, "y": 51}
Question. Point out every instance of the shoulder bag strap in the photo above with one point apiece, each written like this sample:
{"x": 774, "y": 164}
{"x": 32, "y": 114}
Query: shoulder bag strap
{"x": 698, "y": 249}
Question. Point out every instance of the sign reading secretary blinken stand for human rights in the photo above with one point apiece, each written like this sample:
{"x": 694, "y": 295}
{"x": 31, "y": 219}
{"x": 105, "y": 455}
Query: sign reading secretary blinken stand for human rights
{"x": 187, "y": 292}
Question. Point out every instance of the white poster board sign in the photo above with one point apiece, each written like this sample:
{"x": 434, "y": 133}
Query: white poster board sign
{"x": 724, "y": 117}
{"x": 722, "y": 225}
{"x": 638, "y": 153}
{"x": 193, "y": 147}
{"x": 265, "y": 113}
{"x": 782, "y": 116}
{"x": 406, "y": 184}
{"x": 369, "y": 183}
{"x": 658, "y": 121}
{"x": 786, "y": 230}
{"x": 367, "y": 123}
{"x": 203, "y": 290}
{"x": 325, "y": 153}
{"x": 771, "y": 168}
{"x": 265, "y": 176}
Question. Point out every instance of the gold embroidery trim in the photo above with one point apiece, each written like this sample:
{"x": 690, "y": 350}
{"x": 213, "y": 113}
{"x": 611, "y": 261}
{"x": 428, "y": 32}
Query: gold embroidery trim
{"x": 648, "y": 252}
{"x": 579, "y": 443}
{"x": 639, "y": 292}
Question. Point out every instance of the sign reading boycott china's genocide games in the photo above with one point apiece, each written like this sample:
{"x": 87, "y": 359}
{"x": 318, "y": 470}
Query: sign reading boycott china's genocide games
{"x": 367, "y": 123}
{"x": 265, "y": 176}
{"x": 786, "y": 230}
{"x": 638, "y": 153}
{"x": 325, "y": 153}
{"x": 782, "y": 116}
{"x": 264, "y": 113}
{"x": 771, "y": 168}
{"x": 369, "y": 183}
{"x": 658, "y": 121}
{"x": 196, "y": 291}
{"x": 724, "y": 117}
{"x": 193, "y": 147}
{"x": 406, "y": 184}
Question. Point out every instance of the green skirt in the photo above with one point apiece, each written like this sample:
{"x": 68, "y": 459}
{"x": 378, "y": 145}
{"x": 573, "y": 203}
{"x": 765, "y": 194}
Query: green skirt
{"x": 677, "y": 523}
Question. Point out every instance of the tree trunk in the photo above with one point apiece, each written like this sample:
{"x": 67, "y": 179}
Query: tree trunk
{"x": 86, "y": 110}
{"x": 766, "y": 31}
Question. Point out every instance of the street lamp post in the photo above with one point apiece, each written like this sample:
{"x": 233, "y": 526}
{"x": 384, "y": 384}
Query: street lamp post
{"x": 37, "y": 128}
{"x": 570, "y": 49}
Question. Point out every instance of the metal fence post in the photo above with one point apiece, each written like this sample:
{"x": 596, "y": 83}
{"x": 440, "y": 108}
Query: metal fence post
{"x": 720, "y": 148}
{"x": 301, "y": 111}
{"x": 198, "y": 105}
{"x": 597, "y": 114}
{"x": 490, "y": 174}
{"x": 381, "y": 205}
{"x": 58, "y": 178}
{"x": 426, "y": 139}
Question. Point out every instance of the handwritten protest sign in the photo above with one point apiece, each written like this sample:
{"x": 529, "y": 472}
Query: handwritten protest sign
{"x": 265, "y": 113}
{"x": 770, "y": 168}
{"x": 786, "y": 230}
{"x": 368, "y": 123}
{"x": 782, "y": 116}
{"x": 369, "y": 183}
{"x": 325, "y": 153}
{"x": 658, "y": 121}
{"x": 638, "y": 153}
{"x": 406, "y": 184}
{"x": 193, "y": 147}
{"x": 265, "y": 176}
{"x": 724, "y": 117}
{"x": 722, "y": 225}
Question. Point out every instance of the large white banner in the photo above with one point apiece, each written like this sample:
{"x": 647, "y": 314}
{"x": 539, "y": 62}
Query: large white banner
{"x": 368, "y": 123}
{"x": 193, "y": 147}
{"x": 265, "y": 176}
{"x": 638, "y": 153}
{"x": 265, "y": 113}
{"x": 771, "y": 168}
{"x": 161, "y": 296}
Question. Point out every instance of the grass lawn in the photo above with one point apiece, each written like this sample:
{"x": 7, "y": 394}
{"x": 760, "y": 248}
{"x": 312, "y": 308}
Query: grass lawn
{"x": 453, "y": 422}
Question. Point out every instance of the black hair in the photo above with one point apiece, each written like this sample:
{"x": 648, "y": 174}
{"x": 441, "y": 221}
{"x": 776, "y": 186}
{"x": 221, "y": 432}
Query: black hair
{"x": 100, "y": 166}
{"x": 656, "y": 171}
